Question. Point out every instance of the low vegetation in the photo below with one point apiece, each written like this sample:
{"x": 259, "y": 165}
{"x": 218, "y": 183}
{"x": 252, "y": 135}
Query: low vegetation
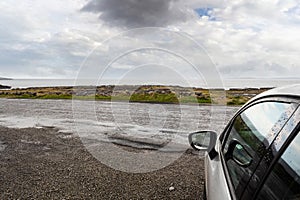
{"x": 143, "y": 94}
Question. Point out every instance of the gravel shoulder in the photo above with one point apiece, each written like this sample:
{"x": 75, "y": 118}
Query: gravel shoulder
{"x": 46, "y": 164}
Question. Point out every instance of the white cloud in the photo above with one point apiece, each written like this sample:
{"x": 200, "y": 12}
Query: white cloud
{"x": 244, "y": 38}
{"x": 247, "y": 36}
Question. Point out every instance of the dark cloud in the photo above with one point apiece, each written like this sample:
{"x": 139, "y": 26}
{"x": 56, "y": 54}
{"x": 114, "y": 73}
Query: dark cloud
{"x": 139, "y": 13}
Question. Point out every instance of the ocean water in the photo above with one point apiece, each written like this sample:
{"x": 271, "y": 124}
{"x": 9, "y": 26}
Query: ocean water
{"x": 227, "y": 83}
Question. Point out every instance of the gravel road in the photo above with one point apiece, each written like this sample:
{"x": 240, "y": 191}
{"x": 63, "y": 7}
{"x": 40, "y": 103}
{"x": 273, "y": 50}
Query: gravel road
{"x": 43, "y": 163}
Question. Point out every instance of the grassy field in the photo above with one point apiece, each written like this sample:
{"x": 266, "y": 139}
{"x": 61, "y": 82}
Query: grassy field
{"x": 143, "y": 94}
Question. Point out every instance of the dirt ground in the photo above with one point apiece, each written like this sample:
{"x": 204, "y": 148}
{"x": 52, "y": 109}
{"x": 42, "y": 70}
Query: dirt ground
{"x": 44, "y": 164}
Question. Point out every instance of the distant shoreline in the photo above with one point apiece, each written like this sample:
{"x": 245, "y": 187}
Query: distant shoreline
{"x": 5, "y": 86}
{"x": 141, "y": 94}
{"x": 2, "y": 78}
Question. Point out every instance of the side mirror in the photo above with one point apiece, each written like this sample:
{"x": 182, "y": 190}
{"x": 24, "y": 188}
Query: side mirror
{"x": 204, "y": 141}
{"x": 238, "y": 153}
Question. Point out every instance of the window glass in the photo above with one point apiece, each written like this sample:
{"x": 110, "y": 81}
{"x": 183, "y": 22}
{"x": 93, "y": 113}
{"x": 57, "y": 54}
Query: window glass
{"x": 284, "y": 180}
{"x": 254, "y": 129}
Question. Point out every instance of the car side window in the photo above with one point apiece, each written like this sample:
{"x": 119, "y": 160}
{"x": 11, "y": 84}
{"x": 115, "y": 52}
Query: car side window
{"x": 284, "y": 180}
{"x": 251, "y": 134}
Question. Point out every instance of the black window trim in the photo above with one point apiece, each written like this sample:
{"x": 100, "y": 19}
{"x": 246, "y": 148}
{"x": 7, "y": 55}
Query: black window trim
{"x": 224, "y": 135}
{"x": 227, "y": 176}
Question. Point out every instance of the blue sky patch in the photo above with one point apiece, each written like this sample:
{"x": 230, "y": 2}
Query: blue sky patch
{"x": 205, "y": 12}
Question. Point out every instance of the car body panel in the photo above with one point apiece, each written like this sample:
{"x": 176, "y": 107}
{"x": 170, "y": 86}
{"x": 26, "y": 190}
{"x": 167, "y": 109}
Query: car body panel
{"x": 216, "y": 184}
{"x": 287, "y": 91}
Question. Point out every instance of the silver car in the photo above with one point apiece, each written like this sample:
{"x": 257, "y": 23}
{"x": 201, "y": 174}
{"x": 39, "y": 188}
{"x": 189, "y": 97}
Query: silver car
{"x": 257, "y": 156}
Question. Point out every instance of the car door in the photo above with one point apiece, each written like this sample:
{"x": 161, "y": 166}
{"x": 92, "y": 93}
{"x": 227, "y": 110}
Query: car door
{"x": 279, "y": 169}
{"x": 283, "y": 180}
{"x": 248, "y": 138}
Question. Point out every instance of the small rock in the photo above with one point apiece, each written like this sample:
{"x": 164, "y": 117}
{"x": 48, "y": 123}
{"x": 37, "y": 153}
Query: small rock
{"x": 171, "y": 188}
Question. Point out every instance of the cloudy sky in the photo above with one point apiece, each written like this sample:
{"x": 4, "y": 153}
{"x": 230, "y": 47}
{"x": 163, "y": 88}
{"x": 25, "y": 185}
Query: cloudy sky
{"x": 64, "y": 39}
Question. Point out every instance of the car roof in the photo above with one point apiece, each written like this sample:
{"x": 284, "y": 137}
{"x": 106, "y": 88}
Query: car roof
{"x": 285, "y": 91}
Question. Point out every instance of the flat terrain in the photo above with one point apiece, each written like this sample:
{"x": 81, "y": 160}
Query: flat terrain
{"x": 46, "y": 164}
{"x": 143, "y": 94}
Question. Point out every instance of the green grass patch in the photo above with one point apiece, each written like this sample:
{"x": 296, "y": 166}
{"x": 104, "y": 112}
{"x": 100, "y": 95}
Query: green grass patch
{"x": 154, "y": 98}
{"x": 195, "y": 100}
{"x": 137, "y": 97}
{"x": 204, "y": 99}
{"x": 237, "y": 100}
{"x": 54, "y": 96}
{"x": 188, "y": 99}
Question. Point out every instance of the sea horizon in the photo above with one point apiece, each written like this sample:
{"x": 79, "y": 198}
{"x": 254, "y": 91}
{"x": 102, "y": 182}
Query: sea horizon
{"x": 225, "y": 83}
